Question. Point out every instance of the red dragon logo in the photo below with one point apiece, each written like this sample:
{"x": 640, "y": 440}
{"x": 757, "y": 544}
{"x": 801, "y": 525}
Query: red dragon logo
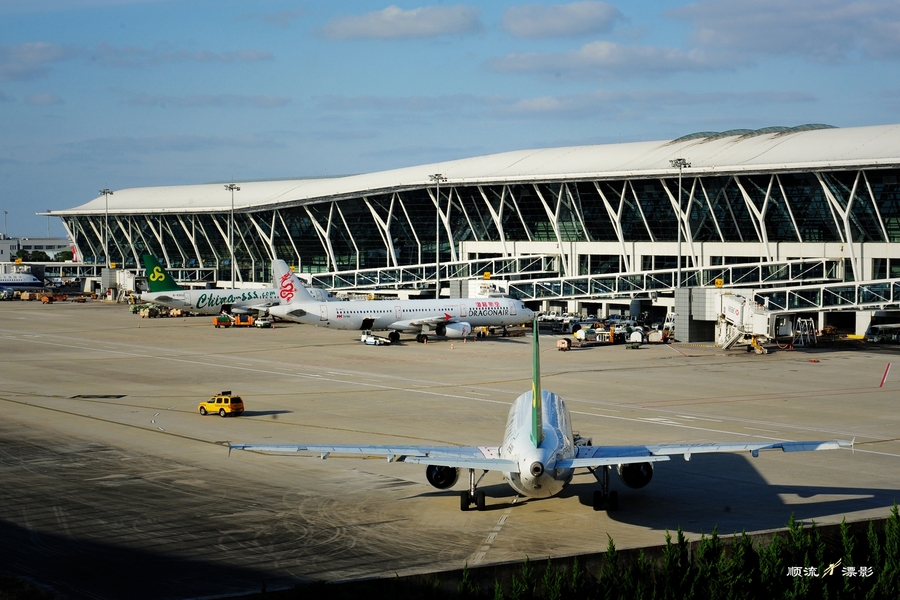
{"x": 287, "y": 288}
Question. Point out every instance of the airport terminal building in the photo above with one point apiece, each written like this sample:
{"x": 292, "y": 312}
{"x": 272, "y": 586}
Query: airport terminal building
{"x": 677, "y": 211}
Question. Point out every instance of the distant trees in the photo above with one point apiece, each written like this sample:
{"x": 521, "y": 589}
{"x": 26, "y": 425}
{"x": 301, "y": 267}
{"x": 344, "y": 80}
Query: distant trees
{"x": 35, "y": 256}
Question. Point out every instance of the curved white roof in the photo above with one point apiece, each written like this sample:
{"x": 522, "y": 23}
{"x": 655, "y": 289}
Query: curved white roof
{"x": 876, "y": 146}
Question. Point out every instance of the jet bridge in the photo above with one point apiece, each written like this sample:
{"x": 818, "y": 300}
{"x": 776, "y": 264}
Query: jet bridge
{"x": 742, "y": 321}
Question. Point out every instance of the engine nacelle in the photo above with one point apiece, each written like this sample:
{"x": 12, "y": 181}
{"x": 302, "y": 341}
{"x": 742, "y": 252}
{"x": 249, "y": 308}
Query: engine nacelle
{"x": 454, "y": 330}
{"x": 636, "y": 475}
{"x": 441, "y": 477}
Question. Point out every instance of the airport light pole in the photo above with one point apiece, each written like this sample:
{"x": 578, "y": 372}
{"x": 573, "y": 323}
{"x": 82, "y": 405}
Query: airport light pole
{"x": 231, "y": 188}
{"x": 437, "y": 178}
{"x": 680, "y": 164}
{"x": 106, "y": 193}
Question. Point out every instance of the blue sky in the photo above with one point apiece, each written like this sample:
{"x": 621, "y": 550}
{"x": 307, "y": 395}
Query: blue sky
{"x": 131, "y": 93}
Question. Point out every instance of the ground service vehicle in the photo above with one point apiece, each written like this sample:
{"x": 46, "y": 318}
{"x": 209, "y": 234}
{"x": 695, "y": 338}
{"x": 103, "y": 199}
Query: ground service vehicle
{"x": 223, "y": 403}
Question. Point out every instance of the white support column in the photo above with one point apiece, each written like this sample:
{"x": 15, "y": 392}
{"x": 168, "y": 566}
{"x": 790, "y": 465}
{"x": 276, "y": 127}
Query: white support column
{"x": 615, "y": 217}
{"x": 497, "y": 216}
{"x": 553, "y": 215}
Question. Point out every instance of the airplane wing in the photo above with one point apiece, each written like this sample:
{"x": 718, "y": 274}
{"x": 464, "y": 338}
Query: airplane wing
{"x": 599, "y": 456}
{"x": 465, "y": 457}
{"x": 255, "y": 308}
{"x": 415, "y": 323}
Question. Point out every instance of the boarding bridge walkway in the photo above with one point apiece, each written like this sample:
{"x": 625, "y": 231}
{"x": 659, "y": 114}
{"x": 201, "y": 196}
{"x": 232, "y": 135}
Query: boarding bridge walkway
{"x": 877, "y": 294}
{"x": 644, "y": 284}
{"x": 422, "y": 276}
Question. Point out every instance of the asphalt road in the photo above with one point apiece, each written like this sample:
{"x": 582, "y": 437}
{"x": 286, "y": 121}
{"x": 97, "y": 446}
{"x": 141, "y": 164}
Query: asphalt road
{"x": 112, "y": 485}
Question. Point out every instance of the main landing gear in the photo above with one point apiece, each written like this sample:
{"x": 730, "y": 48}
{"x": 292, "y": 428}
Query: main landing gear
{"x": 394, "y": 336}
{"x": 603, "y": 498}
{"x": 472, "y": 496}
{"x": 421, "y": 338}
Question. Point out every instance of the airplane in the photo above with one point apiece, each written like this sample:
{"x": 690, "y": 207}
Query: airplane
{"x": 20, "y": 281}
{"x": 539, "y": 453}
{"x": 164, "y": 290}
{"x": 447, "y": 318}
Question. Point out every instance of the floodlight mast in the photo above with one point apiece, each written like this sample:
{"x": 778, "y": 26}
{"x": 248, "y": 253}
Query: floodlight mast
{"x": 106, "y": 193}
{"x": 231, "y": 188}
{"x": 437, "y": 178}
{"x": 680, "y": 164}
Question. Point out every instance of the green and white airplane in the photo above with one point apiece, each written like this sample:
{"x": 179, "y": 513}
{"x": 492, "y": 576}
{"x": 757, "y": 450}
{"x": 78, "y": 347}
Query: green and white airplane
{"x": 539, "y": 453}
{"x": 164, "y": 291}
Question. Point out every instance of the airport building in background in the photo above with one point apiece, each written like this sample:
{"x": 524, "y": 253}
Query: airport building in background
{"x": 562, "y": 215}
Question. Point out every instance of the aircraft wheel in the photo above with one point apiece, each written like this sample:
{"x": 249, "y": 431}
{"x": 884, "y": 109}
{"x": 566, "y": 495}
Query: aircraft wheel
{"x": 479, "y": 500}
{"x": 599, "y": 500}
{"x": 464, "y": 501}
{"x": 613, "y": 501}
{"x": 222, "y": 413}
{"x": 394, "y": 336}
{"x": 424, "y": 339}
{"x": 203, "y": 411}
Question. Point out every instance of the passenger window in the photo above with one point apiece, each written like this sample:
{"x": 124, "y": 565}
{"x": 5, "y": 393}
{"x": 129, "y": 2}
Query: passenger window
{"x": 218, "y": 401}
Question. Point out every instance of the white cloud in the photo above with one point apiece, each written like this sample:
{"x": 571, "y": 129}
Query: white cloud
{"x": 207, "y": 100}
{"x": 31, "y": 60}
{"x": 577, "y": 18}
{"x": 282, "y": 18}
{"x": 604, "y": 58}
{"x": 133, "y": 56}
{"x": 44, "y": 100}
{"x": 448, "y": 103}
{"x": 605, "y": 102}
{"x": 396, "y": 23}
{"x": 120, "y": 146}
{"x": 820, "y": 30}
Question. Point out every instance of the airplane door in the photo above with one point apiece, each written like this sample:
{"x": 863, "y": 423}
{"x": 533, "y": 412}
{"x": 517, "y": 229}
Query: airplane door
{"x": 323, "y": 312}
{"x": 462, "y": 310}
{"x": 398, "y": 312}
{"x": 512, "y": 308}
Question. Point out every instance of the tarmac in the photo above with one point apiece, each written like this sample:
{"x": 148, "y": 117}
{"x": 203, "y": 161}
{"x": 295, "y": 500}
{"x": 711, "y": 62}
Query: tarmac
{"x": 112, "y": 484}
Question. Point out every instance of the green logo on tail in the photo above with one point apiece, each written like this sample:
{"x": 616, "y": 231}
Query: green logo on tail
{"x": 157, "y": 277}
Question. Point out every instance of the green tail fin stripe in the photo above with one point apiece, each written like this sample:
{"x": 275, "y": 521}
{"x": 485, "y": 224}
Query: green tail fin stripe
{"x": 537, "y": 423}
{"x": 158, "y": 278}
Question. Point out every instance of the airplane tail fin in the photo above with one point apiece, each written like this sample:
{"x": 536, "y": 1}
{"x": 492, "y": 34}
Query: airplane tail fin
{"x": 537, "y": 424}
{"x": 158, "y": 278}
{"x": 290, "y": 289}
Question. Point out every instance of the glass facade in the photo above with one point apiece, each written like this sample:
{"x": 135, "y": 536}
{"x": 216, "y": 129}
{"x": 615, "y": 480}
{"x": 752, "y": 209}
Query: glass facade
{"x": 398, "y": 229}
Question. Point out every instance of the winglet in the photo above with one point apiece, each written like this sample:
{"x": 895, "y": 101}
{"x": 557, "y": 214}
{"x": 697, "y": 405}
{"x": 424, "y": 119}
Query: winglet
{"x": 537, "y": 425}
{"x": 158, "y": 278}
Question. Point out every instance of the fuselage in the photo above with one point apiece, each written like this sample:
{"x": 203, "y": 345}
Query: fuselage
{"x": 20, "y": 281}
{"x": 407, "y": 315}
{"x": 558, "y": 443}
{"x": 210, "y": 302}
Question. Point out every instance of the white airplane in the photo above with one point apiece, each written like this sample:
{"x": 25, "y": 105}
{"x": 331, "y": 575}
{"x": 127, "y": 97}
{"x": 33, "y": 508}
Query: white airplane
{"x": 453, "y": 318}
{"x": 164, "y": 290}
{"x": 539, "y": 453}
{"x": 20, "y": 281}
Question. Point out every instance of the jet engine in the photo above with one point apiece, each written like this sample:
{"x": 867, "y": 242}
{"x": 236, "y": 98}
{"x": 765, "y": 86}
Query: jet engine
{"x": 453, "y": 330}
{"x": 636, "y": 475}
{"x": 441, "y": 477}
